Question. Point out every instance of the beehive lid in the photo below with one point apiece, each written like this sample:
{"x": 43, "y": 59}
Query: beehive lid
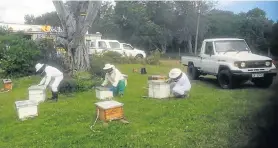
{"x": 102, "y": 88}
{"x": 109, "y": 104}
{"x": 157, "y": 81}
{"x": 36, "y": 87}
{"x": 25, "y": 103}
{"x": 7, "y": 81}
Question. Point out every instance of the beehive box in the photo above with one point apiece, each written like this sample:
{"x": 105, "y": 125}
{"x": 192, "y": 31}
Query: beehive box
{"x": 157, "y": 77}
{"x": 158, "y": 89}
{"x": 26, "y": 109}
{"x": 110, "y": 110}
{"x": 37, "y": 93}
{"x": 103, "y": 93}
{"x": 7, "y": 84}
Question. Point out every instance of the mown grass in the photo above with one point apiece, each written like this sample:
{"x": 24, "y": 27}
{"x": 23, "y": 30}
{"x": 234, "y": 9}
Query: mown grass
{"x": 211, "y": 117}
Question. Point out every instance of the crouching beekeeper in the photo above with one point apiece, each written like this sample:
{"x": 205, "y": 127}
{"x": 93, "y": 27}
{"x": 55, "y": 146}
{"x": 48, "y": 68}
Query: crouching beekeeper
{"x": 179, "y": 83}
{"x": 52, "y": 78}
{"x": 115, "y": 78}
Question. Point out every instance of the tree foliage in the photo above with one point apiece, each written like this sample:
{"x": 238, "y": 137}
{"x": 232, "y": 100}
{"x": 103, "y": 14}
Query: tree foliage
{"x": 18, "y": 55}
{"x": 171, "y": 25}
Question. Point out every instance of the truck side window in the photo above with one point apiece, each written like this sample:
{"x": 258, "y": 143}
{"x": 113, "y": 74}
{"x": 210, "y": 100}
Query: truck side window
{"x": 102, "y": 44}
{"x": 209, "y": 48}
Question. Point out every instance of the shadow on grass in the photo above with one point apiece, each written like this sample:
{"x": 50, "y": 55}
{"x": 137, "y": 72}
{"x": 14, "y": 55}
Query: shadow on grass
{"x": 212, "y": 82}
{"x": 259, "y": 129}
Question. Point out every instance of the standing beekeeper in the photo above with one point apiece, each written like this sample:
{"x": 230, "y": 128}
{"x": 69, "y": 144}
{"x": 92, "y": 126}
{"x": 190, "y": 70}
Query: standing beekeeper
{"x": 52, "y": 78}
{"x": 179, "y": 83}
{"x": 115, "y": 78}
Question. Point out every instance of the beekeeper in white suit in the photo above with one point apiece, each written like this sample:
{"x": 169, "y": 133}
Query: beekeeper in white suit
{"x": 115, "y": 78}
{"x": 52, "y": 78}
{"x": 179, "y": 83}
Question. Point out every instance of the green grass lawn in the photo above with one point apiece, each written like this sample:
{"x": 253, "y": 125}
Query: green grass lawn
{"x": 211, "y": 117}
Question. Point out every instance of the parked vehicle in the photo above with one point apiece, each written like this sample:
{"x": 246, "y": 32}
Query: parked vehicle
{"x": 131, "y": 51}
{"x": 232, "y": 62}
{"x": 100, "y": 46}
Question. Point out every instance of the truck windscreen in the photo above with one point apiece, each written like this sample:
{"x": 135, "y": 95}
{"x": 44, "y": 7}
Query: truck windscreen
{"x": 230, "y": 45}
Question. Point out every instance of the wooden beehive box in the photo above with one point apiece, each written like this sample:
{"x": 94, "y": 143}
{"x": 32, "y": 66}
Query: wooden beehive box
{"x": 103, "y": 93}
{"x": 26, "y": 109}
{"x": 37, "y": 93}
{"x": 158, "y": 89}
{"x": 157, "y": 77}
{"x": 7, "y": 84}
{"x": 110, "y": 110}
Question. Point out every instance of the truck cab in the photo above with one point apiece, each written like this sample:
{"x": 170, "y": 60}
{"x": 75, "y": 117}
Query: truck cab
{"x": 232, "y": 62}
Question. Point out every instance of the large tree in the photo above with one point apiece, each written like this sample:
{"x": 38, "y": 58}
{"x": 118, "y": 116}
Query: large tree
{"x": 76, "y": 17}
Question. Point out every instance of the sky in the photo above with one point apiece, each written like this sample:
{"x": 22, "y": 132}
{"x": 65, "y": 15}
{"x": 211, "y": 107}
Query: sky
{"x": 13, "y": 11}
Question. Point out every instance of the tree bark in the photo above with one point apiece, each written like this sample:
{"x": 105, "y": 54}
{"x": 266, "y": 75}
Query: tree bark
{"x": 76, "y": 20}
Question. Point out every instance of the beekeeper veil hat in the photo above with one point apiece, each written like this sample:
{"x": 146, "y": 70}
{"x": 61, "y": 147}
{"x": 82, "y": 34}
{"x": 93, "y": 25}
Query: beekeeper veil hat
{"x": 174, "y": 73}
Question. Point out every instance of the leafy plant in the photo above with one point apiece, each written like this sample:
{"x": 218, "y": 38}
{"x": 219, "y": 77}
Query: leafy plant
{"x": 18, "y": 55}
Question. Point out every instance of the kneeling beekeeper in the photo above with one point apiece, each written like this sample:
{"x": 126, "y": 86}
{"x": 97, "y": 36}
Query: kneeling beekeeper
{"x": 179, "y": 83}
{"x": 115, "y": 78}
{"x": 52, "y": 77}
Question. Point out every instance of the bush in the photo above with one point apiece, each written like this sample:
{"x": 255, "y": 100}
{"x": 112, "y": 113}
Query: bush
{"x": 80, "y": 81}
{"x": 49, "y": 54}
{"x": 154, "y": 58}
{"x": 18, "y": 55}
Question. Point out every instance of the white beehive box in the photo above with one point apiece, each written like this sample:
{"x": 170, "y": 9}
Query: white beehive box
{"x": 37, "y": 93}
{"x": 26, "y": 109}
{"x": 103, "y": 93}
{"x": 159, "y": 89}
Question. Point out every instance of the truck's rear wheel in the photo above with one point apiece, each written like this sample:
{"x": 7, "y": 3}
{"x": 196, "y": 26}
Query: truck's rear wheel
{"x": 226, "y": 80}
{"x": 193, "y": 72}
{"x": 263, "y": 82}
{"x": 139, "y": 56}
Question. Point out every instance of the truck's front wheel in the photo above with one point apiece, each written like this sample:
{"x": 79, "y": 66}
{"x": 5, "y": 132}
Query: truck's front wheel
{"x": 263, "y": 82}
{"x": 193, "y": 72}
{"x": 226, "y": 80}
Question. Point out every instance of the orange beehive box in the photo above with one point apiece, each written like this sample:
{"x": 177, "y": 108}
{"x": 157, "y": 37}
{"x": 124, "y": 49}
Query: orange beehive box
{"x": 110, "y": 110}
{"x": 7, "y": 84}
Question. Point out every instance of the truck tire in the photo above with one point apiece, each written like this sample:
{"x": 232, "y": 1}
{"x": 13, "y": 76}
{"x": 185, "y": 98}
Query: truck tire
{"x": 193, "y": 72}
{"x": 226, "y": 80}
{"x": 263, "y": 82}
{"x": 139, "y": 56}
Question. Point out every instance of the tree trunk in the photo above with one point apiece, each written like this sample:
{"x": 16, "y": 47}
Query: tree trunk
{"x": 189, "y": 44}
{"x": 76, "y": 21}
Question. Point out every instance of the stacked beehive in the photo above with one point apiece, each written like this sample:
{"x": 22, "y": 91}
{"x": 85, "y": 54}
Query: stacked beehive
{"x": 29, "y": 108}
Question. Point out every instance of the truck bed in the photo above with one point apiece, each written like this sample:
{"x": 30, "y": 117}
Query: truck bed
{"x": 190, "y": 58}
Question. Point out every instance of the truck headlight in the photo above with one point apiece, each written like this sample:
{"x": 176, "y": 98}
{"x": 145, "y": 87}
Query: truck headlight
{"x": 267, "y": 63}
{"x": 242, "y": 64}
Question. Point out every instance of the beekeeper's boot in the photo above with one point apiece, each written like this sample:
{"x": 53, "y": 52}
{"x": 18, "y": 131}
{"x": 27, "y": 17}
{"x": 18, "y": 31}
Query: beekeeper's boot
{"x": 55, "y": 96}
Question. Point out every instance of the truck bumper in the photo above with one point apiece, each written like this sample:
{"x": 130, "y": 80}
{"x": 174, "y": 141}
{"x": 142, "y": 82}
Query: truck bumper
{"x": 248, "y": 75}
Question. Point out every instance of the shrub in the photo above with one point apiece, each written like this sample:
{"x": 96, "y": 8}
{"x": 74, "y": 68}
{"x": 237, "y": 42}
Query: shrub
{"x": 18, "y": 55}
{"x": 154, "y": 58}
{"x": 80, "y": 81}
{"x": 49, "y": 54}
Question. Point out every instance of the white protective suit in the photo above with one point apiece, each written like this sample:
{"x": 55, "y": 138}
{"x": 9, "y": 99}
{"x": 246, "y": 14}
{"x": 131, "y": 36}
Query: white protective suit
{"x": 114, "y": 77}
{"x": 53, "y": 77}
{"x": 182, "y": 86}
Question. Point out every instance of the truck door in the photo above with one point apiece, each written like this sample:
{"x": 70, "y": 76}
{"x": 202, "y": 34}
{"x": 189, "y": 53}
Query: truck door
{"x": 207, "y": 58}
{"x": 102, "y": 46}
{"x": 116, "y": 47}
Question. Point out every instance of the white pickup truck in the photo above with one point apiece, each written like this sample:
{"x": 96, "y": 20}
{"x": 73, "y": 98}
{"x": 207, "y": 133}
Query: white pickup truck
{"x": 232, "y": 62}
{"x": 101, "y": 46}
